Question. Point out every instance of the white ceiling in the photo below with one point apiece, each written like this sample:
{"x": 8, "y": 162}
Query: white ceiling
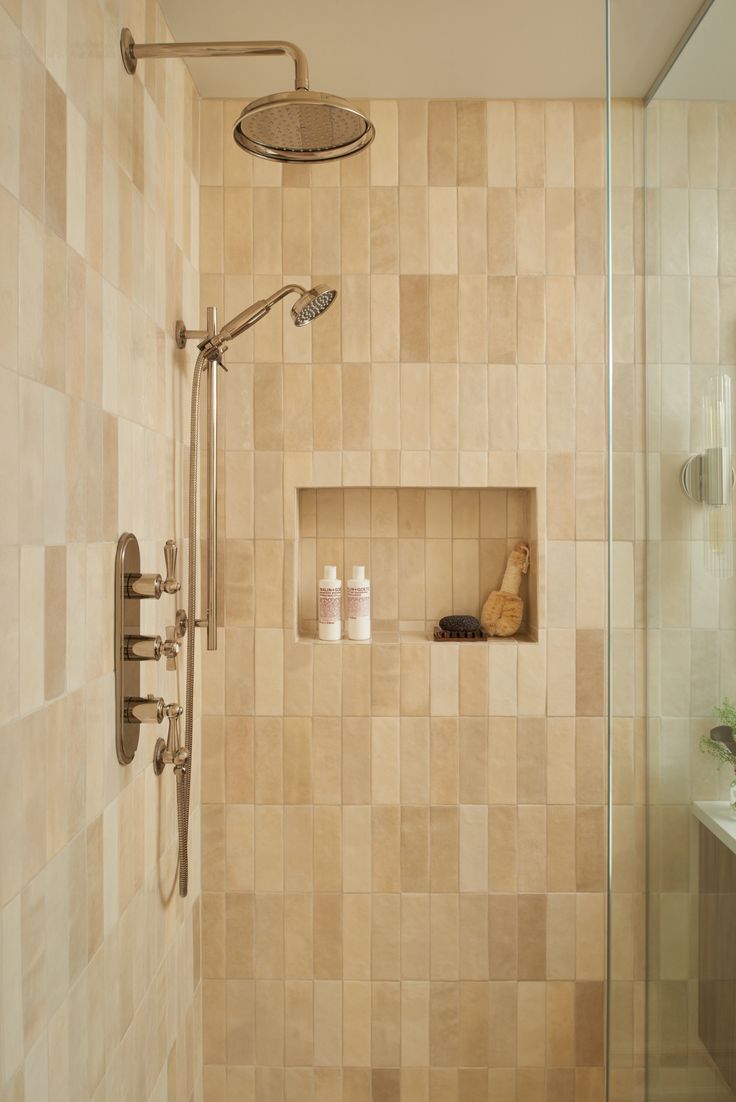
{"x": 436, "y": 48}
{"x": 705, "y": 69}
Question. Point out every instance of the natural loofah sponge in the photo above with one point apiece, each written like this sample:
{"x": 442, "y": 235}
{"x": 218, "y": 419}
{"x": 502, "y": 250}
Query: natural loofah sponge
{"x": 503, "y": 611}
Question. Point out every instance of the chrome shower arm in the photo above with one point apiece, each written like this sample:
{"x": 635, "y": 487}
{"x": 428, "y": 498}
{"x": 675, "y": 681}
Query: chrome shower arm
{"x": 134, "y": 52}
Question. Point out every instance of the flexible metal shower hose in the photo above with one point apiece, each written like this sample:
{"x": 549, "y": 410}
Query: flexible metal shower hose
{"x": 184, "y": 778}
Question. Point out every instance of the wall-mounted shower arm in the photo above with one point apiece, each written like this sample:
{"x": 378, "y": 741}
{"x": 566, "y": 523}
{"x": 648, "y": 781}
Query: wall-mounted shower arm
{"x": 133, "y": 52}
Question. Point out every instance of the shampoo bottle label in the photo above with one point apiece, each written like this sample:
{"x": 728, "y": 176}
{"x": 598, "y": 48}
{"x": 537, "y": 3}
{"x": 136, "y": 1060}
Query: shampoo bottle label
{"x": 329, "y": 604}
{"x": 358, "y": 601}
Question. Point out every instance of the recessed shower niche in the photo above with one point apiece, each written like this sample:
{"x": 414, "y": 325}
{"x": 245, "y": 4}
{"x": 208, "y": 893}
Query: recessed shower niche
{"x": 428, "y": 552}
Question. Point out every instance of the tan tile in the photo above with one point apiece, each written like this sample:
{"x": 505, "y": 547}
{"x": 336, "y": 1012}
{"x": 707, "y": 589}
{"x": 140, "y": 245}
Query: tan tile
{"x": 502, "y": 319}
{"x": 414, "y": 292}
{"x": 413, "y": 123}
{"x": 444, "y": 843}
{"x": 471, "y": 138}
{"x": 385, "y": 936}
{"x": 589, "y": 152}
{"x": 501, "y": 144}
{"x": 356, "y": 936}
{"x": 413, "y": 230}
{"x": 327, "y": 848}
{"x": 384, "y": 152}
{"x": 55, "y": 158}
{"x": 384, "y": 222}
{"x": 442, "y": 143}
{"x": 415, "y": 936}
{"x": 444, "y": 1024}
{"x": 414, "y": 849}
{"x": 589, "y": 826}
{"x": 355, "y": 230}
{"x": 589, "y": 1023}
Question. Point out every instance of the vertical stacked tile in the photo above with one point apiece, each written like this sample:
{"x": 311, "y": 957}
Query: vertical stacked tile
{"x": 404, "y": 843}
{"x": 99, "y": 214}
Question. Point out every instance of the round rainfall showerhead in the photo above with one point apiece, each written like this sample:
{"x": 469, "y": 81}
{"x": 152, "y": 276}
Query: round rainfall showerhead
{"x": 312, "y": 304}
{"x": 302, "y": 127}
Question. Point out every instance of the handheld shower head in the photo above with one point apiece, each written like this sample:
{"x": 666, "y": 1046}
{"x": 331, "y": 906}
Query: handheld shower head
{"x": 313, "y": 303}
{"x": 308, "y": 306}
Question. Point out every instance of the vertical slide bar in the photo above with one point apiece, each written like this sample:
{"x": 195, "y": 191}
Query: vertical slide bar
{"x": 212, "y": 505}
{"x": 212, "y": 380}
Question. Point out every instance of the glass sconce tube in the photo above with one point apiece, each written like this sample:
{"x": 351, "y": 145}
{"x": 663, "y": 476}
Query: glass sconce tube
{"x": 708, "y": 476}
{"x": 718, "y": 477}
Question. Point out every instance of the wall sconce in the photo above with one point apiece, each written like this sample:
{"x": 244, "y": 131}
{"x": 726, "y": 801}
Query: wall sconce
{"x": 708, "y": 477}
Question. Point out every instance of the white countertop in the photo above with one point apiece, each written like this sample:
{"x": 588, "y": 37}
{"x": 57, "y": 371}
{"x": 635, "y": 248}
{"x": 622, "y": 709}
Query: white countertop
{"x": 716, "y": 816}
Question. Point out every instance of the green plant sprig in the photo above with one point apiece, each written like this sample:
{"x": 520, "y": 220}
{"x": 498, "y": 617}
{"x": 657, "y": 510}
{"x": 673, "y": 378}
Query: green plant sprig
{"x": 727, "y": 715}
{"x": 718, "y": 751}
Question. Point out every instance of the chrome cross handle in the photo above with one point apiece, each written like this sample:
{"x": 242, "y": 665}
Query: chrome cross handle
{"x": 171, "y": 752}
{"x": 170, "y": 648}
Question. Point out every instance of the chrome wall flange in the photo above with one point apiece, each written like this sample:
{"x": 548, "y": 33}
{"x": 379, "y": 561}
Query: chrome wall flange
{"x": 127, "y": 49}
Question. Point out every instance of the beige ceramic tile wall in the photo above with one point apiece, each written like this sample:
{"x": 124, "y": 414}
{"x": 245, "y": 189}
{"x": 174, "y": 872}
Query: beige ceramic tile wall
{"x": 403, "y": 845}
{"x": 691, "y": 323}
{"x": 99, "y": 210}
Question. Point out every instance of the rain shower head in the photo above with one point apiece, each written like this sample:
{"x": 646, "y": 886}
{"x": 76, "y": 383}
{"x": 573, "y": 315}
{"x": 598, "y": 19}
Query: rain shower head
{"x": 299, "y": 127}
{"x": 302, "y": 127}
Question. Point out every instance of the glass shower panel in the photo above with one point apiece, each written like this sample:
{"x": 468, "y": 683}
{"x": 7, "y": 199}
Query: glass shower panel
{"x": 672, "y": 999}
{"x": 690, "y": 149}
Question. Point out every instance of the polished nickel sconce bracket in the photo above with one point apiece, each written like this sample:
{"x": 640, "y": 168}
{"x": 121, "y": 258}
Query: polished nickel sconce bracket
{"x": 708, "y": 477}
{"x": 132, "y": 648}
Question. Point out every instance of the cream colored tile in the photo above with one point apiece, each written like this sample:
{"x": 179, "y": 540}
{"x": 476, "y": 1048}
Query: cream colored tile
{"x": 384, "y": 151}
{"x": 559, "y": 141}
{"x": 501, "y": 144}
{"x": 413, "y": 142}
{"x": 442, "y": 211}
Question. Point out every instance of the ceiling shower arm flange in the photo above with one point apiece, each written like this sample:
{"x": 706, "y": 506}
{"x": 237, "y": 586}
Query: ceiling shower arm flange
{"x": 133, "y": 52}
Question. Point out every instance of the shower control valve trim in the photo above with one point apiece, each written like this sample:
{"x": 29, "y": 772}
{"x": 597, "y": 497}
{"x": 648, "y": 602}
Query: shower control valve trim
{"x": 132, "y": 648}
